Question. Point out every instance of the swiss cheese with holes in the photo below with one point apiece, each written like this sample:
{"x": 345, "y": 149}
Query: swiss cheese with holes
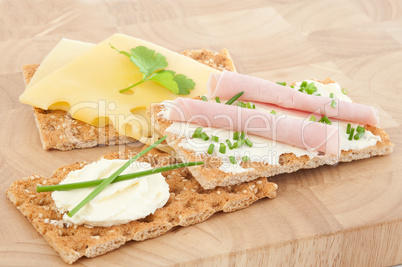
{"x": 88, "y": 86}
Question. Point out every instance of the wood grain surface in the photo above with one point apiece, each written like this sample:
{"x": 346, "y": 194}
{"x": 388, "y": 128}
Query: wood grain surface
{"x": 344, "y": 215}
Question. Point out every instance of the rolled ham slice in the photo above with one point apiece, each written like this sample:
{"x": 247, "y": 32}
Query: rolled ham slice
{"x": 293, "y": 131}
{"x": 228, "y": 84}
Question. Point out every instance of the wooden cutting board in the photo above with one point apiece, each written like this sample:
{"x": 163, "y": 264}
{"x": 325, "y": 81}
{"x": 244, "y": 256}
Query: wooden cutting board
{"x": 344, "y": 215}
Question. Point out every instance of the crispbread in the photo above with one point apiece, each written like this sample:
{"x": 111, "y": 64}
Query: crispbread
{"x": 209, "y": 175}
{"x": 188, "y": 204}
{"x": 59, "y": 131}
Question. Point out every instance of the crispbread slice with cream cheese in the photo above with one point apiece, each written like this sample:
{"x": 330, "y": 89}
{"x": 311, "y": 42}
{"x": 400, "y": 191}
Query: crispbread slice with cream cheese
{"x": 188, "y": 204}
{"x": 58, "y": 130}
{"x": 282, "y": 158}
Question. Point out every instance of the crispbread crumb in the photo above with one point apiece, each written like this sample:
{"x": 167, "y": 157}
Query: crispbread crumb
{"x": 59, "y": 131}
{"x": 188, "y": 204}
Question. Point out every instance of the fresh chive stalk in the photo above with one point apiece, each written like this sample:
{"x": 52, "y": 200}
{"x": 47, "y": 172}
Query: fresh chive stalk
{"x": 204, "y": 98}
{"x": 232, "y": 159}
{"x": 358, "y": 135}
{"x": 120, "y": 178}
{"x": 303, "y": 84}
{"x": 325, "y": 120}
{"x": 197, "y": 132}
{"x": 250, "y": 105}
{"x": 215, "y": 138}
{"x": 312, "y": 118}
{"x": 211, "y": 148}
{"x": 331, "y": 95}
{"x": 245, "y": 158}
{"x": 240, "y": 142}
{"x": 234, "y": 98}
{"x": 235, "y": 145}
{"x": 217, "y": 99}
{"x": 222, "y": 148}
{"x": 241, "y": 104}
{"x": 112, "y": 177}
{"x": 292, "y": 86}
{"x": 236, "y": 135}
{"x": 281, "y": 83}
{"x": 333, "y": 104}
{"x": 352, "y": 131}
{"x": 348, "y": 128}
{"x": 204, "y": 136}
{"x": 360, "y": 129}
{"x": 242, "y": 135}
{"x": 273, "y": 112}
{"x": 248, "y": 142}
{"x": 229, "y": 144}
{"x": 344, "y": 91}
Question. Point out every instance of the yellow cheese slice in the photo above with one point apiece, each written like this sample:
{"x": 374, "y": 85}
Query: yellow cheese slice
{"x": 65, "y": 51}
{"x": 88, "y": 86}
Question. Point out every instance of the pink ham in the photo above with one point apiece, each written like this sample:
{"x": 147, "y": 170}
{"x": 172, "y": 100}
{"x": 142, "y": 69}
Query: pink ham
{"x": 228, "y": 84}
{"x": 293, "y": 131}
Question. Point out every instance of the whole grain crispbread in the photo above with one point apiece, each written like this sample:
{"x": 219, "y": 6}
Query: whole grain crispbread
{"x": 58, "y": 130}
{"x": 188, "y": 204}
{"x": 210, "y": 176}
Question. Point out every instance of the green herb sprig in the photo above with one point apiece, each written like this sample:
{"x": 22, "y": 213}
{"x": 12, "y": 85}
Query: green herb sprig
{"x": 152, "y": 66}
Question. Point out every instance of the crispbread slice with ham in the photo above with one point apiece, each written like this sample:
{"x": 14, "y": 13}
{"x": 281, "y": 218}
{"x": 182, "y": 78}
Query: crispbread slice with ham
{"x": 212, "y": 174}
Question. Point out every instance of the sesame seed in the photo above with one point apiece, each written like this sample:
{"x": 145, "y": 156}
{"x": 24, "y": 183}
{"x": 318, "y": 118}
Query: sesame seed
{"x": 219, "y": 192}
{"x": 275, "y": 186}
{"x": 245, "y": 191}
{"x": 259, "y": 182}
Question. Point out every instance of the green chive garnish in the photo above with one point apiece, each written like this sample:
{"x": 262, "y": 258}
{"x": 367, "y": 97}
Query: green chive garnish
{"x": 312, "y": 118}
{"x": 358, "y": 135}
{"x": 325, "y": 120}
{"x": 273, "y": 112}
{"x": 204, "y": 136}
{"x": 318, "y": 94}
{"x": 204, "y": 98}
{"x": 331, "y": 95}
{"x": 232, "y": 159}
{"x": 352, "y": 131}
{"x": 241, "y": 104}
{"x": 243, "y": 135}
{"x": 197, "y": 132}
{"x": 333, "y": 104}
{"x": 112, "y": 177}
{"x": 215, "y": 138}
{"x": 248, "y": 142}
{"x": 217, "y": 99}
{"x": 235, "y": 144}
{"x": 348, "y": 128}
{"x": 281, "y": 83}
{"x": 222, "y": 148}
{"x": 240, "y": 142}
{"x": 236, "y": 135}
{"x": 310, "y": 88}
{"x": 360, "y": 129}
{"x": 245, "y": 158}
{"x": 229, "y": 144}
{"x": 120, "y": 178}
{"x": 344, "y": 91}
{"x": 233, "y": 99}
{"x": 292, "y": 87}
{"x": 303, "y": 84}
{"x": 250, "y": 105}
{"x": 211, "y": 148}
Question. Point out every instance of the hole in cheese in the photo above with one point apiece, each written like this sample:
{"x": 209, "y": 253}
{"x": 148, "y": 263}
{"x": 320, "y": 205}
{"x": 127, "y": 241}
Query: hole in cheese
{"x": 101, "y": 121}
{"x": 128, "y": 92}
{"x": 61, "y": 105}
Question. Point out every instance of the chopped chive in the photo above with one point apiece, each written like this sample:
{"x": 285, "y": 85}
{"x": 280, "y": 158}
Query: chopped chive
{"x": 111, "y": 178}
{"x": 248, "y": 142}
{"x": 333, "y": 104}
{"x": 292, "y": 86}
{"x": 211, "y": 148}
{"x": 352, "y": 131}
{"x": 360, "y": 129}
{"x": 217, "y": 99}
{"x": 235, "y": 145}
{"x": 197, "y": 132}
{"x": 310, "y": 88}
{"x": 229, "y": 144}
{"x": 215, "y": 138}
{"x": 348, "y": 128}
{"x": 344, "y": 91}
{"x": 222, "y": 148}
{"x": 240, "y": 143}
{"x": 120, "y": 178}
{"x": 358, "y": 135}
{"x": 204, "y": 98}
{"x": 325, "y": 120}
{"x": 312, "y": 118}
{"x": 232, "y": 159}
{"x": 245, "y": 158}
{"x": 241, "y": 104}
{"x": 301, "y": 90}
{"x": 273, "y": 112}
{"x": 243, "y": 135}
{"x": 236, "y": 135}
{"x": 234, "y": 98}
{"x": 281, "y": 83}
{"x": 204, "y": 136}
{"x": 250, "y": 105}
{"x": 331, "y": 95}
{"x": 303, "y": 84}
{"x": 317, "y": 94}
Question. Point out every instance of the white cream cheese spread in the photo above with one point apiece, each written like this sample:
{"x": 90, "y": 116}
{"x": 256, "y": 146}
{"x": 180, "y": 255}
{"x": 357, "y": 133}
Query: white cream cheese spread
{"x": 263, "y": 150}
{"x": 119, "y": 202}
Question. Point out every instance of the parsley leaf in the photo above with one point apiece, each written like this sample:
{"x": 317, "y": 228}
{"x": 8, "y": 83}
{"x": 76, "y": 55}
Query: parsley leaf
{"x": 153, "y": 67}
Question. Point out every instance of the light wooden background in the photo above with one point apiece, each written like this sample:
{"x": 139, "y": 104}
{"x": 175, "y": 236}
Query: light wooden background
{"x": 349, "y": 215}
